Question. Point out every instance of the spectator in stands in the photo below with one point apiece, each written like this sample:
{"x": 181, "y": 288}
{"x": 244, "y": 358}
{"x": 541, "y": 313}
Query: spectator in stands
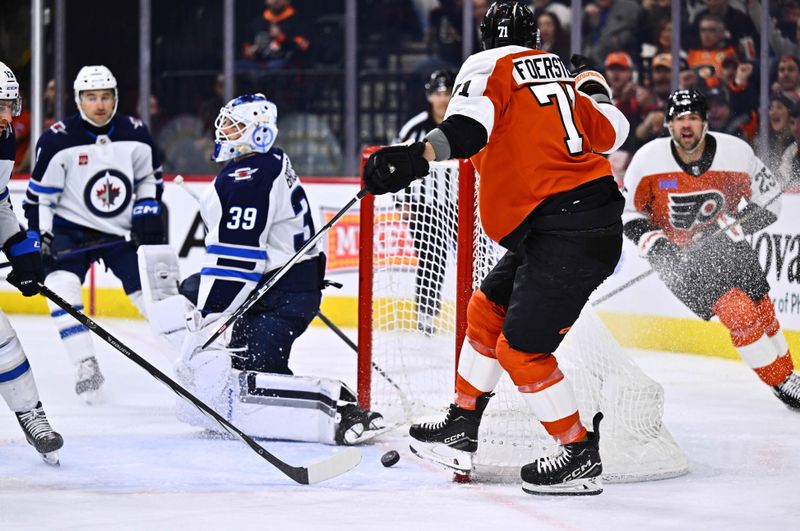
{"x": 561, "y": 11}
{"x": 735, "y": 77}
{"x": 628, "y": 95}
{"x": 652, "y": 106}
{"x": 789, "y": 168}
{"x": 445, "y": 25}
{"x": 779, "y": 135}
{"x": 657, "y": 15}
{"x": 740, "y": 30}
{"x": 788, "y": 81}
{"x": 611, "y": 26}
{"x": 22, "y": 133}
{"x": 554, "y": 38}
{"x": 49, "y": 104}
{"x": 778, "y": 42}
{"x": 714, "y": 48}
{"x": 723, "y": 119}
{"x": 279, "y": 40}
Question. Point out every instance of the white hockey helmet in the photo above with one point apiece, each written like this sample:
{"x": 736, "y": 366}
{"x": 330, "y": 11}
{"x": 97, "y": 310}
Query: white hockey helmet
{"x": 247, "y": 124}
{"x": 95, "y": 77}
{"x": 9, "y": 89}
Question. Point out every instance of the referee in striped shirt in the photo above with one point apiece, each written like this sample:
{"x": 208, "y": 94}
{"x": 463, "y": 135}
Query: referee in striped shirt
{"x": 432, "y": 227}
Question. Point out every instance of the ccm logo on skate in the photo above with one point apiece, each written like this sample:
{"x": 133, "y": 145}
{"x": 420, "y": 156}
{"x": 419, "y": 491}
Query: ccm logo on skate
{"x": 586, "y": 467}
{"x": 455, "y": 437}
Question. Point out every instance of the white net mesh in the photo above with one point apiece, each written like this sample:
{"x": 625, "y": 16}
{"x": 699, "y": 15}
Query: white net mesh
{"x": 413, "y": 345}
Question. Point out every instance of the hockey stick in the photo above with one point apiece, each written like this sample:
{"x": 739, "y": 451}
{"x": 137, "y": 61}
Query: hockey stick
{"x": 698, "y": 245}
{"x": 338, "y": 331}
{"x": 341, "y": 462}
{"x": 258, "y": 293}
{"x": 92, "y": 246}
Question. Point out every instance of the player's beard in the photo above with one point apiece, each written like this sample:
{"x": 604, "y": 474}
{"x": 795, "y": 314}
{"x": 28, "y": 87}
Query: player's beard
{"x": 688, "y": 146}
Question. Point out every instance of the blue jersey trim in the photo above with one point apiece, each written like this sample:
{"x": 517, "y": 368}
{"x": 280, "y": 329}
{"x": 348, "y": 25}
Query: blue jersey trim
{"x": 4, "y": 194}
{"x": 216, "y": 272}
{"x": 253, "y": 254}
{"x": 60, "y": 312}
{"x": 44, "y": 189}
{"x": 16, "y": 372}
{"x": 72, "y": 330}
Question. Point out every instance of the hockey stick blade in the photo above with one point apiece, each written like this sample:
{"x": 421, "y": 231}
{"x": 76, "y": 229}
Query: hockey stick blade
{"x": 338, "y": 464}
{"x": 260, "y": 292}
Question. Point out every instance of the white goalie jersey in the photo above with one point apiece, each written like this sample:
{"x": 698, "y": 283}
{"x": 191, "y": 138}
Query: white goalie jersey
{"x": 258, "y": 217}
{"x": 89, "y": 179}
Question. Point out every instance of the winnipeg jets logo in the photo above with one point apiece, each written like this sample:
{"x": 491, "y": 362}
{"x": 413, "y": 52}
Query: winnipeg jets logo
{"x": 58, "y": 127}
{"x": 137, "y": 123}
{"x": 688, "y": 210}
{"x": 107, "y": 193}
{"x": 242, "y": 174}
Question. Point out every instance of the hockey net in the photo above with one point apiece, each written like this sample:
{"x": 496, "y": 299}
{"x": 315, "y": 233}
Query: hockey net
{"x": 421, "y": 257}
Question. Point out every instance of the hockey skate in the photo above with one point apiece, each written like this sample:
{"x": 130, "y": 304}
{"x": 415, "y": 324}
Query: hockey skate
{"x": 40, "y": 435}
{"x": 453, "y": 441}
{"x": 89, "y": 380}
{"x": 358, "y": 425}
{"x": 573, "y": 471}
{"x": 789, "y": 391}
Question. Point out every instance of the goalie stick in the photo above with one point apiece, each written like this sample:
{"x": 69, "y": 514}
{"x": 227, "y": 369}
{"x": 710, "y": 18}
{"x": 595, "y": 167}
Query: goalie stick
{"x": 344, "y": 460}
{"x": 256, "y": 294}
{"x": 638, "y": 278}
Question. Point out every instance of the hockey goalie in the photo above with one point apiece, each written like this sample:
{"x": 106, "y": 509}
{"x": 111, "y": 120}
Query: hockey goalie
{"x": 257, "y": 215}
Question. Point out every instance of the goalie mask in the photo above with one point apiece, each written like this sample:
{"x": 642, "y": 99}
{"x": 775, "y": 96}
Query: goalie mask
{"x": 9, "y": 89}
{"x": 507, "y": 23}
{"x": 247, "y": 124}
{"x": 96, "y": 77}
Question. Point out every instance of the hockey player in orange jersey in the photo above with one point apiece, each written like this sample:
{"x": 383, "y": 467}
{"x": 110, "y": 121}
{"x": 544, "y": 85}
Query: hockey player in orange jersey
{"x": 683, "y": 212}
{"x": 534, "y": 134}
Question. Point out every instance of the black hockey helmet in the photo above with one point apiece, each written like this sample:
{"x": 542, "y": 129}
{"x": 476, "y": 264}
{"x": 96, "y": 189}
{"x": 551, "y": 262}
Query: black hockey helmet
{"x": 440, "y": 80}
{"x": 686, "y": 101}
{"x": 508, "y": 23}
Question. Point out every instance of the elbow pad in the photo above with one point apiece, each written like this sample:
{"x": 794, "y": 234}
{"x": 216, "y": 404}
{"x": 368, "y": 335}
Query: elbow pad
{"x": 465, "y": 136}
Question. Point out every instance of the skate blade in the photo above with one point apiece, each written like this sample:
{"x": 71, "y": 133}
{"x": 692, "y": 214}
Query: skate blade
{"x": 576, "y": 487}
{"x": 51, "y": 458}
{"x": 446, "y": 456}
{"x": 93, "y": 397}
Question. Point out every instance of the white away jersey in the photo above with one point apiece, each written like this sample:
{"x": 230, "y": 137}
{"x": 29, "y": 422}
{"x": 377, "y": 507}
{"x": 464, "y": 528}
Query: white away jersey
{"x": 681, "y": 199}
{"x": 89, "y": 179}
{"x": 8, "y": 221}
{"x": 257, "y": 216}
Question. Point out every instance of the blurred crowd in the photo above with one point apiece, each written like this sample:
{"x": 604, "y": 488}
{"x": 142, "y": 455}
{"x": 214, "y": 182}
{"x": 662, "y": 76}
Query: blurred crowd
{"x": 293, "y": 51}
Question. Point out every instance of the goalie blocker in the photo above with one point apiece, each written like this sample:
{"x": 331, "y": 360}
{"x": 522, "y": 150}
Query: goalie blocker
{"x": 270, "y": 406}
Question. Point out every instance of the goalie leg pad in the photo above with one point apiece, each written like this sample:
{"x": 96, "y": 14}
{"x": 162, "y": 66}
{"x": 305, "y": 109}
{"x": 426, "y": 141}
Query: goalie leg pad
{"x": 159, "y": 273}
{"x": 76, "y": 337}
{"x": 270, "y": 406}
{"x": 16, "y": 377}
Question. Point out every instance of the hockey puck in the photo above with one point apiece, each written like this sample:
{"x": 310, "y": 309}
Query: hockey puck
{"x": 390, "y": 458}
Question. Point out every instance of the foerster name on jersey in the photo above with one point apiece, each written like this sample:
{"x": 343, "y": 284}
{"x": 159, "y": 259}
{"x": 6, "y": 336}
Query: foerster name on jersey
{"x": 540, "y": 68}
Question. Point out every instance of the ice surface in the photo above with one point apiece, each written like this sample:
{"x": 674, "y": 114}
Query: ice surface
{"x": 128, "y": 464}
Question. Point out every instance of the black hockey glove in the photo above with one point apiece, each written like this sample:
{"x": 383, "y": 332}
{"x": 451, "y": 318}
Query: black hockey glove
{"x": 590, "y": 82}
{"x": 663, "y": 255}
{"x": 146, "y": 226}
{"x": 48, "y": 258}
{"x": 23, "y": 251}
{"x": 393, "y": 168}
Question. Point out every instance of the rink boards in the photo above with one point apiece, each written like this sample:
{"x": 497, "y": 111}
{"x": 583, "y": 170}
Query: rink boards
{"x": 644, "y": 315}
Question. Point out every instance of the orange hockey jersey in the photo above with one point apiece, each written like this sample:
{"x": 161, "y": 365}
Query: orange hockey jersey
{"x": 544, "y": 137}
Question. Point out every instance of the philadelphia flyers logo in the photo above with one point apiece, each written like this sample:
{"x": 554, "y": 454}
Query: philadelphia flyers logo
{"x": 688, "y": 210}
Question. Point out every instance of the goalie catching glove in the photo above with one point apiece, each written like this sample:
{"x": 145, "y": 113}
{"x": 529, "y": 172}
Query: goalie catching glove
{"x": 392, "y": 168}
{"x": 590, "y": 82}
